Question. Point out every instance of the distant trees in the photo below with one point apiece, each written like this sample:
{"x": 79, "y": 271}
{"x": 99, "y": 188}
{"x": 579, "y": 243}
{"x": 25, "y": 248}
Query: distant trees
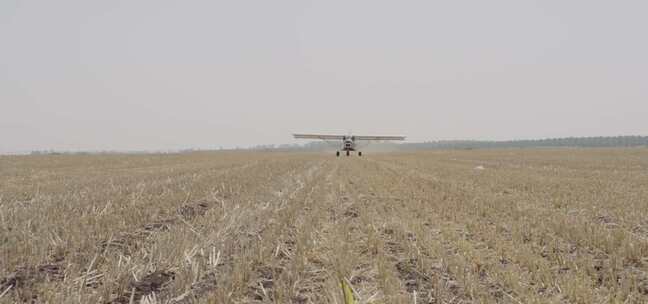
{"x": 585, "y": 142}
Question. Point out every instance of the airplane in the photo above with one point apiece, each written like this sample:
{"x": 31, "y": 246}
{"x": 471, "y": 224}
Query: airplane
{"x": 348, "y": 141}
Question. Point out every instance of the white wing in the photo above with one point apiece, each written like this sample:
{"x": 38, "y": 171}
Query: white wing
{"x": 379, "y": 137}
{"x": 319, "y": 136}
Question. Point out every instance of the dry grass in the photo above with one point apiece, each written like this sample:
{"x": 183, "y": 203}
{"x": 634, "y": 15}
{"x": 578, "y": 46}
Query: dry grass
{"x": 495, "y": 226}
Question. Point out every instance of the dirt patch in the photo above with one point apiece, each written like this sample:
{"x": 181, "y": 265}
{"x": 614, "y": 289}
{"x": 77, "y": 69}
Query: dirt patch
{"x": 260, "y": 289}
{"x": 127, "y": 242}
{"x": 191, "y": 211}
{"x": 352, "y": 212}
{"x": 24, "y": 279}
{"x": 408, "y": 273}
{"x": 152, "y": 283}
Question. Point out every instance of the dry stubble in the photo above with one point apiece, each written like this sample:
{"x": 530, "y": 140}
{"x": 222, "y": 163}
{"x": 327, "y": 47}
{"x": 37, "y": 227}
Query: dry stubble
{"x": 494, "y": 226}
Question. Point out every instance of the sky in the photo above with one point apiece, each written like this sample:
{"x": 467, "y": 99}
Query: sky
{"x": 149, "y": 75}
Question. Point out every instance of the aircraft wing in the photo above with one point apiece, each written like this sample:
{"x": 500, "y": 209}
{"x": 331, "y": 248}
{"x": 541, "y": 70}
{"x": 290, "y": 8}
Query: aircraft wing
{"x": 380, "y": 137}
{"x": 319, "y": 136}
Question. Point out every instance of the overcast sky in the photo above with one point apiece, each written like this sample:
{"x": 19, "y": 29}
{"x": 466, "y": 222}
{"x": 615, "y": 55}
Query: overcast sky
{"x": 173, "y": 74}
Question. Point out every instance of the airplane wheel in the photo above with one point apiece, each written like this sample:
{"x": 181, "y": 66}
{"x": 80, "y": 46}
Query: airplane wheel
{"x": 359, "y": 153}
{"x": 337, "y": 153}
{"x": 348, "y": 153}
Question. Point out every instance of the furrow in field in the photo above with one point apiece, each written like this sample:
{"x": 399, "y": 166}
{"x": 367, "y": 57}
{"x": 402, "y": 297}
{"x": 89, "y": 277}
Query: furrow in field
{"x": 241, "y": 221}
{"x": 221, "y": 256}
{"x": 426, "y": 264}
{"x": 364, "y": 240}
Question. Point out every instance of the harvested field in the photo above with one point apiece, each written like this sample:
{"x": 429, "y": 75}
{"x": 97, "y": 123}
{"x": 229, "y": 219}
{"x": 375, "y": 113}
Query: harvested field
{"x": 481, "y": 226}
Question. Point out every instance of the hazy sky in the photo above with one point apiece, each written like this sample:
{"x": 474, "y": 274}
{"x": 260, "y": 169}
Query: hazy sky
{"x": 171, "y": 74}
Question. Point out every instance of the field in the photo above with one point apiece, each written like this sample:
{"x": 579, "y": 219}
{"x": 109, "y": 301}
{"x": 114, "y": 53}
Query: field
{"x": 480, "y": 226}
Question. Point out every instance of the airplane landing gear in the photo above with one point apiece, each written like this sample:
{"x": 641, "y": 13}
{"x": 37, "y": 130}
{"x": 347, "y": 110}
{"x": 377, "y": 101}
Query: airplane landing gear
{"x": 359, "y": 153}
{"x": 337, "y": 153}
{"x": 348, "y": 153}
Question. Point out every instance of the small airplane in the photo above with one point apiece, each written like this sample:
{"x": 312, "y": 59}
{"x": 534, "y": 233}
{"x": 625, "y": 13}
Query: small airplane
{"x": 348, "y": 141}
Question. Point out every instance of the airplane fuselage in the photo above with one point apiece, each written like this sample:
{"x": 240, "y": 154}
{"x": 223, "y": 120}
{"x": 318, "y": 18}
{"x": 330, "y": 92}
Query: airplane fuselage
{"x": 348, "y": 145}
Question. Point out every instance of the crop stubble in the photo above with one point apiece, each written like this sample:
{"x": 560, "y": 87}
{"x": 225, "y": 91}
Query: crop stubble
{"x": 493, "y": 226}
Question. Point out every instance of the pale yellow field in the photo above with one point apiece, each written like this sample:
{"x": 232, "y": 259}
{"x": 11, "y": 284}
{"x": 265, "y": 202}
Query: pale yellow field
{"x": 482, "y": 226}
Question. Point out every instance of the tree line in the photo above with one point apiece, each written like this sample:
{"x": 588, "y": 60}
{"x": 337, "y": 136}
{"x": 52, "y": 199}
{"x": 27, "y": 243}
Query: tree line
{"x": 577, "y": 142}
